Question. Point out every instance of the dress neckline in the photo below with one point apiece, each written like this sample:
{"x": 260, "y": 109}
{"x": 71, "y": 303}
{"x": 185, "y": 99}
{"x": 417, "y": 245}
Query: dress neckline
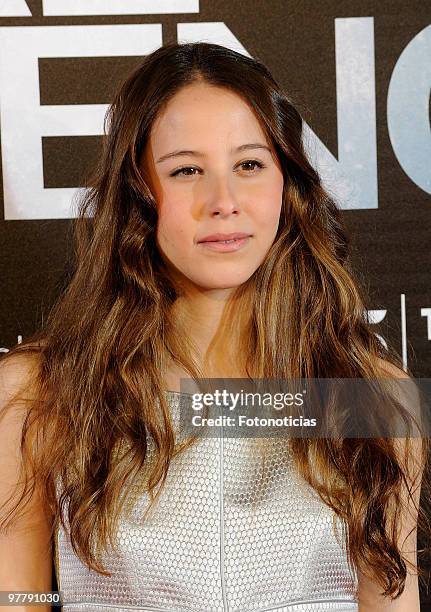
{"x": 170, "y": 392}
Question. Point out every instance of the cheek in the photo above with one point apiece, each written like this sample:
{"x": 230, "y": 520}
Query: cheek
{"x": 174, "y": 229}
{"x": 269, "y": 200}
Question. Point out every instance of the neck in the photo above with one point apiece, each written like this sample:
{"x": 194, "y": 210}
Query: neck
{"x": 215, "y": 328}
{"x": 199, "y": 315}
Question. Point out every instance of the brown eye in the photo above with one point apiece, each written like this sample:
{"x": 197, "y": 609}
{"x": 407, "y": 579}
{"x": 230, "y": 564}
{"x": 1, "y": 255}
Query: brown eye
{"x": 252, "y": 162}
{"x": 182, "y": 171}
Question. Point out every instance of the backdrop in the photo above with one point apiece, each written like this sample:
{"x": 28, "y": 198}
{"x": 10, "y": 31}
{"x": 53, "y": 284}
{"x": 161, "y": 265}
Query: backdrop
{"x": 360, "y": 72}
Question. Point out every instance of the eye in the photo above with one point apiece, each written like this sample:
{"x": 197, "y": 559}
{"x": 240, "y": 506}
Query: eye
{"x": 188, "y": 170}
{"x": 180, "y": 171}
{"x": 253, "y": 162}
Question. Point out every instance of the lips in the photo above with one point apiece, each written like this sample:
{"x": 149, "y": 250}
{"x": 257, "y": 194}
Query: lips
{"x": 221, "y": 237}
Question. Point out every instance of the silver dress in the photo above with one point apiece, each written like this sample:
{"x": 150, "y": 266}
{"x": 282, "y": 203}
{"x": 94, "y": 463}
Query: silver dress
{"x": 226, "y": 534}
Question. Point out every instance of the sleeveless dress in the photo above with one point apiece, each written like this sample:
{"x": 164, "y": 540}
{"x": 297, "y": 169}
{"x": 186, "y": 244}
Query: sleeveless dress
{"x": 226, "y": 535}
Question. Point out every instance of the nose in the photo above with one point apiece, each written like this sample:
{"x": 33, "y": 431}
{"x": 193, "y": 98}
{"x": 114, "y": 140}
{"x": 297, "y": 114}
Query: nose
{"x": 221, "y": 199}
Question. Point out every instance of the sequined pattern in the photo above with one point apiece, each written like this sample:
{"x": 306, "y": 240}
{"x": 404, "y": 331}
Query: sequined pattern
{"x": 228, "y": 534}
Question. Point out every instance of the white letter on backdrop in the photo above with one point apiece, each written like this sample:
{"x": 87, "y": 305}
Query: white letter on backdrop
{"x": 118, "y": 7}
{"x": 14, "y": 8}
{"x": 24, "y": 120}
{"x": 408, "y": 109}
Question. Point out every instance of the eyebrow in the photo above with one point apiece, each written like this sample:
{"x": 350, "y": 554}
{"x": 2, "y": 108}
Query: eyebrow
{"x": 244, "y": 147}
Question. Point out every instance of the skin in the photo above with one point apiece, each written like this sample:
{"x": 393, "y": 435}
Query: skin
{"x": 217, "y": 191}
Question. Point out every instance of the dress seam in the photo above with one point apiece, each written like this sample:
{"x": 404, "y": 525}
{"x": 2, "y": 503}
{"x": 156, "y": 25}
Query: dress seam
{"x": 222, "y": 559}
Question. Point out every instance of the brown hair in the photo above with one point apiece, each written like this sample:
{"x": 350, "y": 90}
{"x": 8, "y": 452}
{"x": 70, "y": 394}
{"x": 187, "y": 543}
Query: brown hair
{"x": 102, "y": 351}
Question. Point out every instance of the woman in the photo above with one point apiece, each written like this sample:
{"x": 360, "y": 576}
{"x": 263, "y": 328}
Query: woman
{"x": 202, "y": 143}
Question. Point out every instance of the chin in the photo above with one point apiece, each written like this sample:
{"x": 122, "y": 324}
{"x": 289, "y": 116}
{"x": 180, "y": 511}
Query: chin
{"x": 222, "y": 283}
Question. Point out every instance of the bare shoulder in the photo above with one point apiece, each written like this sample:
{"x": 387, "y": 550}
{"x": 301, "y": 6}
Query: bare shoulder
{"x": 390, "y": 369}
{"x": 18, "y": 374}
{"x": 405, "y": 390}
{"x": 18, "y": 389}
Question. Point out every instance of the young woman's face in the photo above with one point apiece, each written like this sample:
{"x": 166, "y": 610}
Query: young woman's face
{"x": 211, "y": 172}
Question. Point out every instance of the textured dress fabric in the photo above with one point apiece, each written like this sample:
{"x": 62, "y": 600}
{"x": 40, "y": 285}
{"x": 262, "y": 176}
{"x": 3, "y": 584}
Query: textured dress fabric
{"x": 228, "y": 533}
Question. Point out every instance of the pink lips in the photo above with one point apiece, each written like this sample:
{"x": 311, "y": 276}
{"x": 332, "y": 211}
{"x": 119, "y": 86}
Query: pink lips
{"x": 214, "y": 242}
{"x": 218, "y": 237}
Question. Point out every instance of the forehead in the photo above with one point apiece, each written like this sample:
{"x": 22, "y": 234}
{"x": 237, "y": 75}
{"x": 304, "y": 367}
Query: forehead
{"x": 204, "y": 114}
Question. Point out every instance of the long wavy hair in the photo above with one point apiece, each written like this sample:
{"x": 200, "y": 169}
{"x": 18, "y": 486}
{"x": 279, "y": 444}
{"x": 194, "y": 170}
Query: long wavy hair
{"x": 100, "y": 356}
